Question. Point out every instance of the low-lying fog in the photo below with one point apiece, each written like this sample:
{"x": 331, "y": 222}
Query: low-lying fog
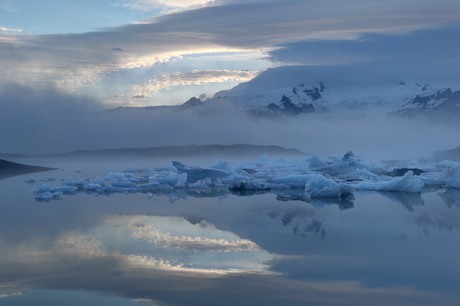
{"x": 48, "y": 121}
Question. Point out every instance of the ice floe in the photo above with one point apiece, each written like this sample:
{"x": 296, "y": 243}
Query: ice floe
{"x": 307, "y": 179}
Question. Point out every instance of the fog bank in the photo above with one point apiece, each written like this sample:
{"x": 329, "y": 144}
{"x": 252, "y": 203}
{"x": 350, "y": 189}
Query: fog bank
{"x": 49, "y": 121}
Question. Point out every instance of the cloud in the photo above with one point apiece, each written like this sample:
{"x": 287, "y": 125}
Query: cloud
{"x": 73, "y": 61}
{"x": 430, "y": 46}
{"x": 195, "y": 77}
{"x": 267, "y": 23}
{"x": 164, "y": 5}
{"x": 10, "y": 30}
{"x": 50, "y": 121}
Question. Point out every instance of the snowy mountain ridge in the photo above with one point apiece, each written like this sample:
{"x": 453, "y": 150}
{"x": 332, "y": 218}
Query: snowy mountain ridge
{"x": 400, "y": 97}
{"x": 361, "y": 90}
{"x": 346, "y": 89}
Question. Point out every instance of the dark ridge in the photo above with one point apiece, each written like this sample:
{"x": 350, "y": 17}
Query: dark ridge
{"x": 453, "y": 154}
{"x": 8, "y": 169}
{"x": 184, "y": 151}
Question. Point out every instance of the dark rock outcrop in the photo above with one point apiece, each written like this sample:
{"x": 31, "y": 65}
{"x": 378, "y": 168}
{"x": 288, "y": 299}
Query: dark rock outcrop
{"x": 314, "y": 93}
{"x": 421, "y": 101}
{"x": 286, "y": 106}
{"x": 192, "y": 102}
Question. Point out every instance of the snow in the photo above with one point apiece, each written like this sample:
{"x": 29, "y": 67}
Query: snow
{"x": 348, "y": 89}
{"x": 309, "y": 178}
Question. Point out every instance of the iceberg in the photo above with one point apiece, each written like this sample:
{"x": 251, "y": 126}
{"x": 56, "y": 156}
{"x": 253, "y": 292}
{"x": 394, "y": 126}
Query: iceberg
{"x": 320, "y": 187}
{"x": 304, "y": 180}
{"x": 195, "y": 174}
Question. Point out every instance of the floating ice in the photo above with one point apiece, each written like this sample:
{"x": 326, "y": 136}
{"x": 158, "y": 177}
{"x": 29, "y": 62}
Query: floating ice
{"x": 320, "y": 187}
{"x": 311, "y": 178}
{"x": 195, "y": 174}
{"x": 406, "y": 183}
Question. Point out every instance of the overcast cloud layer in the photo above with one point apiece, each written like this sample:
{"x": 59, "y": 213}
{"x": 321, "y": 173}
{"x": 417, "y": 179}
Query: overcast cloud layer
{"x": 82, "y": 61}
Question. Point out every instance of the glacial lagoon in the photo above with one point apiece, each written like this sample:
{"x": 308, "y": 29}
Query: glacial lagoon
{"x": 223, "y": 248}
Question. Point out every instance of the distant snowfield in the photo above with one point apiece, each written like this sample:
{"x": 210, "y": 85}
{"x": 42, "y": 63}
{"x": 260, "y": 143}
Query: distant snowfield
{"x": 307, "y": 179}
{"x": 331, "y": 92}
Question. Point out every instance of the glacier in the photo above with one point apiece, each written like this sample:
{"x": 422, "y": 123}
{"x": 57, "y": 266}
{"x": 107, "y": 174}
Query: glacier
{"x": 334, "y": 178}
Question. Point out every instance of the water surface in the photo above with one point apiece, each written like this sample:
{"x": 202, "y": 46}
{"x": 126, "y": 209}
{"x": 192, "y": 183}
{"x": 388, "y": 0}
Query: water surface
{"x": 135, "y": 249}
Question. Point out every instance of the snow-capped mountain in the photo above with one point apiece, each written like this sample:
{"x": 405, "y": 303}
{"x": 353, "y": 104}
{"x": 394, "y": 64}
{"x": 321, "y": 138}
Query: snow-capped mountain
{"x": 295, "y": 90}
{"x": 433, "y": 100}
{"x": 348, "y": 89}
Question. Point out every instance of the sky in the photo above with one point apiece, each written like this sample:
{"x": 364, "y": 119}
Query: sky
{"x": 162, "y": 52}
{"x": 63, "y": 62}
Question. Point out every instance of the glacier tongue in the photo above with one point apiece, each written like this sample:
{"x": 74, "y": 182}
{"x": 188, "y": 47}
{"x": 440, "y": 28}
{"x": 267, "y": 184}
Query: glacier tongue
{"x": 310, "y": 178}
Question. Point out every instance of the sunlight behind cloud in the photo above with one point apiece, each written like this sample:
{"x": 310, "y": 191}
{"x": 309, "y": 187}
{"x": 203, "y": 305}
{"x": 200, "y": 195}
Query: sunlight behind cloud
{"x": 164, "y": 5}
{"x": 10, "y": 30}
{"x": 168, "y": 81}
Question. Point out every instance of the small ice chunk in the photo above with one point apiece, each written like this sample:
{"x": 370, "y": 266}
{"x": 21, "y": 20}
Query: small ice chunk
{"x": 93, "y": 187}
{"x": 451, "y": 177}
{"x": 170, "y": 180}
{"x": 31, "y": 179}
{"x": 42, "y": 188}
{"x": 195, "y": 174}
{"x": 124, "y": 183}
{"x": 64, "y": 189}
{"x": 316, "y": 162}
{"x": 320, "y": 187}
{"x": 406, "y": 183}
{"x": 292, "y": 181}
{"x": 47, "y": 196}
{"x": 70, "y": 181}
{"x": 222, "y": 165}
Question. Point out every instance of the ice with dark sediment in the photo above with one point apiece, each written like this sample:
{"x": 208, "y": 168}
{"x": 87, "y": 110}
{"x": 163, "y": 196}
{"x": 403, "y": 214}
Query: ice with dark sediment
{"x": 310, "y": 178}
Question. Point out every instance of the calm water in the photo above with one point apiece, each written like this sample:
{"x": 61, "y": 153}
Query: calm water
{"x": 136, "y": 249}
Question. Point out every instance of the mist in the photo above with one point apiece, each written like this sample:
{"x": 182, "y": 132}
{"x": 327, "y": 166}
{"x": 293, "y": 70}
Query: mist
{"x": 49, "y": 122}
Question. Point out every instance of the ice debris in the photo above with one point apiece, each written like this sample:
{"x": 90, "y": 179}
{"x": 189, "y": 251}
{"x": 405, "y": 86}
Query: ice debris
{"x": 310, "y": 178}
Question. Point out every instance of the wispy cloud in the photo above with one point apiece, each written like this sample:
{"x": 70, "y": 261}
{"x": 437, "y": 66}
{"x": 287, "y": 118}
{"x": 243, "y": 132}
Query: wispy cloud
{"x": 10, "y": 30}
{"x": 163, "y": 5}
{"x": 196, "y": 77}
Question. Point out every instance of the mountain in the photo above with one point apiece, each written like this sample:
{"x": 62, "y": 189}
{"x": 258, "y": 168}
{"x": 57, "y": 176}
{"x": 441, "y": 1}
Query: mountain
{"x": 341, "y": 89}
{"x": 444, "y": 100}
{"x": 452, "y": 154}
{"x": 8, "y": 169}
{"x": 192, "y": 102}
{"x": 304, "y": 89}
{"x": 191, "y": 150}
